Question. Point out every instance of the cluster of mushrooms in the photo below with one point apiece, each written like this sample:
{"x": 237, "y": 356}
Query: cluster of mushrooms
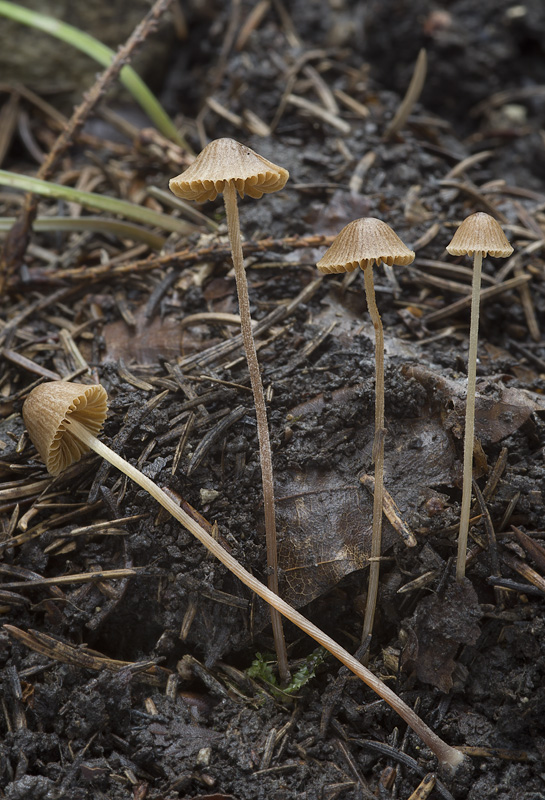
{"x": 63, "y": 419}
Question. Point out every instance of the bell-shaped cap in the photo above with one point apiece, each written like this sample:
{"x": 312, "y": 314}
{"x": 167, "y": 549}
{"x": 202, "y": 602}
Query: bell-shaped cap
{"x": 480, "y": 233}
{"x": 362, "y": 243}
{"x": 46, "y": 410}
{"x": 227, "y": 161}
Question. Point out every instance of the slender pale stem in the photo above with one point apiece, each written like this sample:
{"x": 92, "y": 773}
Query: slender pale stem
{"x": 233, "y": 224}
{"x": 469, "y": 434}
{"x": 378, "y": 455}
{"x": 447, "y": 755}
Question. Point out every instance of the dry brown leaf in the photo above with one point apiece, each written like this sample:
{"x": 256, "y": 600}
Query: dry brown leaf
{"x": 500, "y": 410}
{"x": 441, "y": 625}
{"x": 325, "y": 526}
{"x": 150, "y": 342}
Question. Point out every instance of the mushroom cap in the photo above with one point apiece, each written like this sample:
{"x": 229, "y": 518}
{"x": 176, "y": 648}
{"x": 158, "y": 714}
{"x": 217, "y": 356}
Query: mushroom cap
{"x": 45, "y": 412}
{"x": 362, "y": 243}
{"x": 223, "y": 161}
{"x": 480, "y": 233}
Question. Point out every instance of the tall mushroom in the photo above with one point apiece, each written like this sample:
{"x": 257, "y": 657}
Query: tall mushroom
{"x": 362, "y": 243}
{"x": 63, "y": 419}
{"x": 230, "y": 167}
{"x": 479, "y": 235}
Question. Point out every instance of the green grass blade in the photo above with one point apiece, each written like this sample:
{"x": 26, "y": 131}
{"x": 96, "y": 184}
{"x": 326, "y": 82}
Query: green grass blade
{"x": 124, "y": 230}
{"x": 101, "y": 53}
{"x": 98, "y": 202}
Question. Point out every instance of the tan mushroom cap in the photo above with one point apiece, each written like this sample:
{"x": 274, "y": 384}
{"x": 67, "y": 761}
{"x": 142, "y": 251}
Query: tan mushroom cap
{"x": 362, "y": 243}
{"x": 480, "y": 233}
{"x": 223, "y": 161}
{"x": 45, "y": 412}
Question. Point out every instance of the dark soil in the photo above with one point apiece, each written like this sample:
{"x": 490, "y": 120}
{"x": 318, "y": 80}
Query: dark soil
{"x": 178, "y": 715}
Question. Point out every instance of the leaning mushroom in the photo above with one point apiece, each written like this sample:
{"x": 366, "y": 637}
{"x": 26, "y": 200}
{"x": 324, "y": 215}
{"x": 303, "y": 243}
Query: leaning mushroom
{"x": 229, "y": 167}
{"x": 363, "y": 243}
{"x": 62, "y": 420}
{"x": 478, "y": 235}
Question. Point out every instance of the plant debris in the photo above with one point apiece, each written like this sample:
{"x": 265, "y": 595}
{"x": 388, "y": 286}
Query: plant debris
{"x": 125, "y": 647}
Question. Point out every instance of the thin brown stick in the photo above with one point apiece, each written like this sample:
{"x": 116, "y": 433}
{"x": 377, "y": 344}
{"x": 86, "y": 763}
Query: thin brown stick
{"x": 19, "y": 236}
{"x": 465, "y": 302}
{"x": 181, "y": 258}
{"x": 391, "y": 511}
{"x": 77, "y": 656}
{"x": 411, "y": 96}
{"x": 475, "y": 193}
{"x": 534, "y": 549}
{"x": 77, "y": 578}
{"x": 233, "y": 224}
{"x": 424, "y": 788}
{"x": 527, "y": 303}
{"x": 489, "y": 527}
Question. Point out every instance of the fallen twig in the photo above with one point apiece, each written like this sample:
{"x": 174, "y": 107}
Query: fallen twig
{"x": 67, "y": 654}
{"x": 465, "y": 302}
{"x": 411, "y": 97}
{"x": 186, "y": 257}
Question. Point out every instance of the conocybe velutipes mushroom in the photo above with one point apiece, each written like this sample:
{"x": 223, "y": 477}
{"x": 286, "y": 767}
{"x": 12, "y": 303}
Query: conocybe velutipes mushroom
{"x": 226, "y": 166}
{"x": 63, "y": 419}
{"x": 362, "y": 243}
{"x": 479, "y": 235}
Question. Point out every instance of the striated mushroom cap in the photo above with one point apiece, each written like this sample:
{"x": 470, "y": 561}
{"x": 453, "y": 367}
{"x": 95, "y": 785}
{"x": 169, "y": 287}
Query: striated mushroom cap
{"x": 45, "y": 412}
{"x": 362, "y": 243}
{"x": 223, "y": 161}
{"x": 480, "y": 233}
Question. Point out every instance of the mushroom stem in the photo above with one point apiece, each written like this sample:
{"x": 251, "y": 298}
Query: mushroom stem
{"x": 447, "y": 755}
{"x": 469, "y": 433}
{"x": 233, "y": 224}
{"x": 378, "y": 455}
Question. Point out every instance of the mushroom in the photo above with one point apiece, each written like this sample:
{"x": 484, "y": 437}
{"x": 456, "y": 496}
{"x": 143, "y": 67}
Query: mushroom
{"x": 62, "y": 420}
{"x": 362, "y": 243}
{"x": 229, "y": 167}
{"x": 479, "y": 235}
